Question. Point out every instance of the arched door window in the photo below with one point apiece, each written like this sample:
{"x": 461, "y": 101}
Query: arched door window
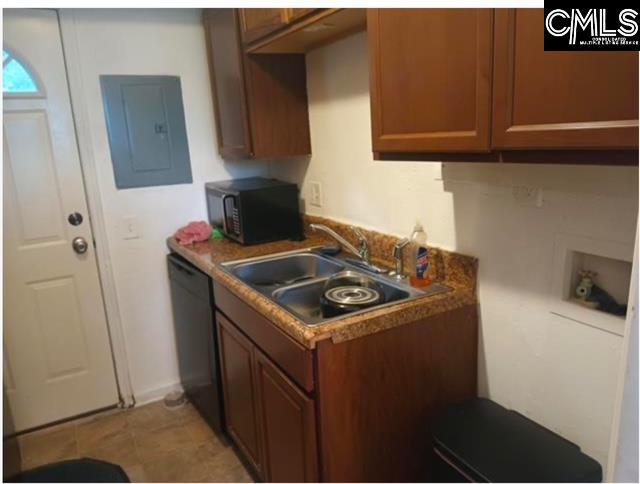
{"x": 17, "y": 79}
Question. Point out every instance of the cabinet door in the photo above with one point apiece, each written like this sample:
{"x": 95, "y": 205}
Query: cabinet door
{"x": 238, "y": 388}
{"x": 296, "y": 13}
{"x": 430, "y": 79}
{"x": 288, "y": 423}
{"x": 559, "y": 100}
{"x": 258, "y": 22}
{"x": 227, "y": 82}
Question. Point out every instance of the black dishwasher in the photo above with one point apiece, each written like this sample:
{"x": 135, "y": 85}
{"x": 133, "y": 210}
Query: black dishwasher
{"x": 196, "y": 339}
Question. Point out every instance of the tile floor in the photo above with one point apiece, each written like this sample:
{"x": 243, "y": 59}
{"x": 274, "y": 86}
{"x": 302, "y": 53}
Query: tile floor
{"x": 152, "y": 444}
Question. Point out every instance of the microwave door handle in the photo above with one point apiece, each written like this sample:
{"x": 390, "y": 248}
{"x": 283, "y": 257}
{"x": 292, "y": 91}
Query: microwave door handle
{"x": 224, "y": 212}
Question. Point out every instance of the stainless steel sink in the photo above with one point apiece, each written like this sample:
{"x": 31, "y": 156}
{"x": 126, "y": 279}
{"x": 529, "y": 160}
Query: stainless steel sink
{"x": 296, "y": 280}
{"x": 303, "y": 299}
{"x": 273, "y": 272}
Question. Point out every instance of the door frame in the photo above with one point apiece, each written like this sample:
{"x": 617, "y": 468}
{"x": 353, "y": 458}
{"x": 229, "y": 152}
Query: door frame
{"x": 627, "y": 358}
{"x": 68, "y": 35}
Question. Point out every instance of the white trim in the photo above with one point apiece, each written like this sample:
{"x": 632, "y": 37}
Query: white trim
{"x": 632, "y": 318}
{"x": 155, "y": 394}
{"x": 88, "y": 162}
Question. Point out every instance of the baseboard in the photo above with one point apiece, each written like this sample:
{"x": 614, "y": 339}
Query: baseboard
{"x": 155, "y": 394}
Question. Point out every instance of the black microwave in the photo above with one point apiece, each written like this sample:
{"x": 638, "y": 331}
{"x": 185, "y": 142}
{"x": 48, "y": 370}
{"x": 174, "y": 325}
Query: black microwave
{"x": 254, "y": 210}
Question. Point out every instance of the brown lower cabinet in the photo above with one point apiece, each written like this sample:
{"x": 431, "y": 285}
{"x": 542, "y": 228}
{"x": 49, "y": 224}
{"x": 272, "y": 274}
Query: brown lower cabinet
{"x": 237, "y": 360}
{"x": 288, "y": 426}
{"x": 354, "y": 411}
{"x": 268, "y": 417}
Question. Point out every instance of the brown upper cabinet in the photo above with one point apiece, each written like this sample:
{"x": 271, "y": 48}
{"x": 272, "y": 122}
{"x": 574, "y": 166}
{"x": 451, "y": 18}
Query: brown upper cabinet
{"x": 258, "y": 22}
{"x": 297, "y": 30}
{"x": 296, "y": 13}
{"x": 559, "y": 100}
{"x": 260, "y": 102}
{"x": 462, "y": 80}
{"x": 430, "y": 79}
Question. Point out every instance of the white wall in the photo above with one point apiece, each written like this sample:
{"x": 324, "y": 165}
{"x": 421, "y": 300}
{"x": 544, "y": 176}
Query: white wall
{"x": 560, "y": 373}
{"x": 169, "y": 42}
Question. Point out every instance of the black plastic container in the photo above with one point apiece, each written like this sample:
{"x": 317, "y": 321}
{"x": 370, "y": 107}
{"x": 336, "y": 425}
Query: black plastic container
{"x": 481, "y": 441}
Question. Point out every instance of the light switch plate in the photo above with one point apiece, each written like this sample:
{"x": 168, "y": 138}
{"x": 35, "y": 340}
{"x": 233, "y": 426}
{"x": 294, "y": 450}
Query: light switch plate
{"x": 316, "y": 193}
{"x": 130, "y": 229}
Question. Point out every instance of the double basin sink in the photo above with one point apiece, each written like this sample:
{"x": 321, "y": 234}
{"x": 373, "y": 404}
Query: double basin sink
{"x": 296, "y": 282}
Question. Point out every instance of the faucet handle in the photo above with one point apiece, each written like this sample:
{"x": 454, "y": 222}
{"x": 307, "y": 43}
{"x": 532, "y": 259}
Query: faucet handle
{"x": 358, "y": 233}
{"x": 364, "y": 244}
{"x": 361, "y": 238}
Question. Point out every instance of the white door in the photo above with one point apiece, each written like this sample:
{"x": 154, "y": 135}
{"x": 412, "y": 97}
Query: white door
{"x": 57, "y": 355}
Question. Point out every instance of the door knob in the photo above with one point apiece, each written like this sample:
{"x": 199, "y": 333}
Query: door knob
{"x": 80, "y": 245}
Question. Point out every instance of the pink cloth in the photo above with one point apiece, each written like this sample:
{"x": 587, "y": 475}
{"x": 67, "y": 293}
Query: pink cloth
{"x": 193, "y": 232}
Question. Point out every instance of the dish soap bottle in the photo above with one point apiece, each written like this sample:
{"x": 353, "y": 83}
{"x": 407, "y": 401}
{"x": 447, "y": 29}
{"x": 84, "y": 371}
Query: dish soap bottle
{"x": 420, "y": 258}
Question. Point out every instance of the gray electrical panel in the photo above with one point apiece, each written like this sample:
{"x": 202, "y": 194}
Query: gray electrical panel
{"x": 147, "y": 134}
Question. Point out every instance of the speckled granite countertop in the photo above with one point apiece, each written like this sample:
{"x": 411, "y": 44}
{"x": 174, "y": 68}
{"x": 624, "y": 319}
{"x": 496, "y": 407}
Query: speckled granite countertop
{"x": 454, "y": 270}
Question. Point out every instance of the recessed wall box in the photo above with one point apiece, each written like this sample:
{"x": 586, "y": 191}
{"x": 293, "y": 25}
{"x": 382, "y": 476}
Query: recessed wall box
{"x": 611, "y": 260}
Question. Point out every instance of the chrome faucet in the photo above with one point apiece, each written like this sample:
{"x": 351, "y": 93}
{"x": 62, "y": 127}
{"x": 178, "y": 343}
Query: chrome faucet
{"x": 362, "y": 251}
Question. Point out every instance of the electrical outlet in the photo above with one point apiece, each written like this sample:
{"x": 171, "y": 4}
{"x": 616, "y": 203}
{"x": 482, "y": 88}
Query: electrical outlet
{"x": 130, "y": 228}
{"x": 529, "y": 196}
{"x": 316, "y": 194}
